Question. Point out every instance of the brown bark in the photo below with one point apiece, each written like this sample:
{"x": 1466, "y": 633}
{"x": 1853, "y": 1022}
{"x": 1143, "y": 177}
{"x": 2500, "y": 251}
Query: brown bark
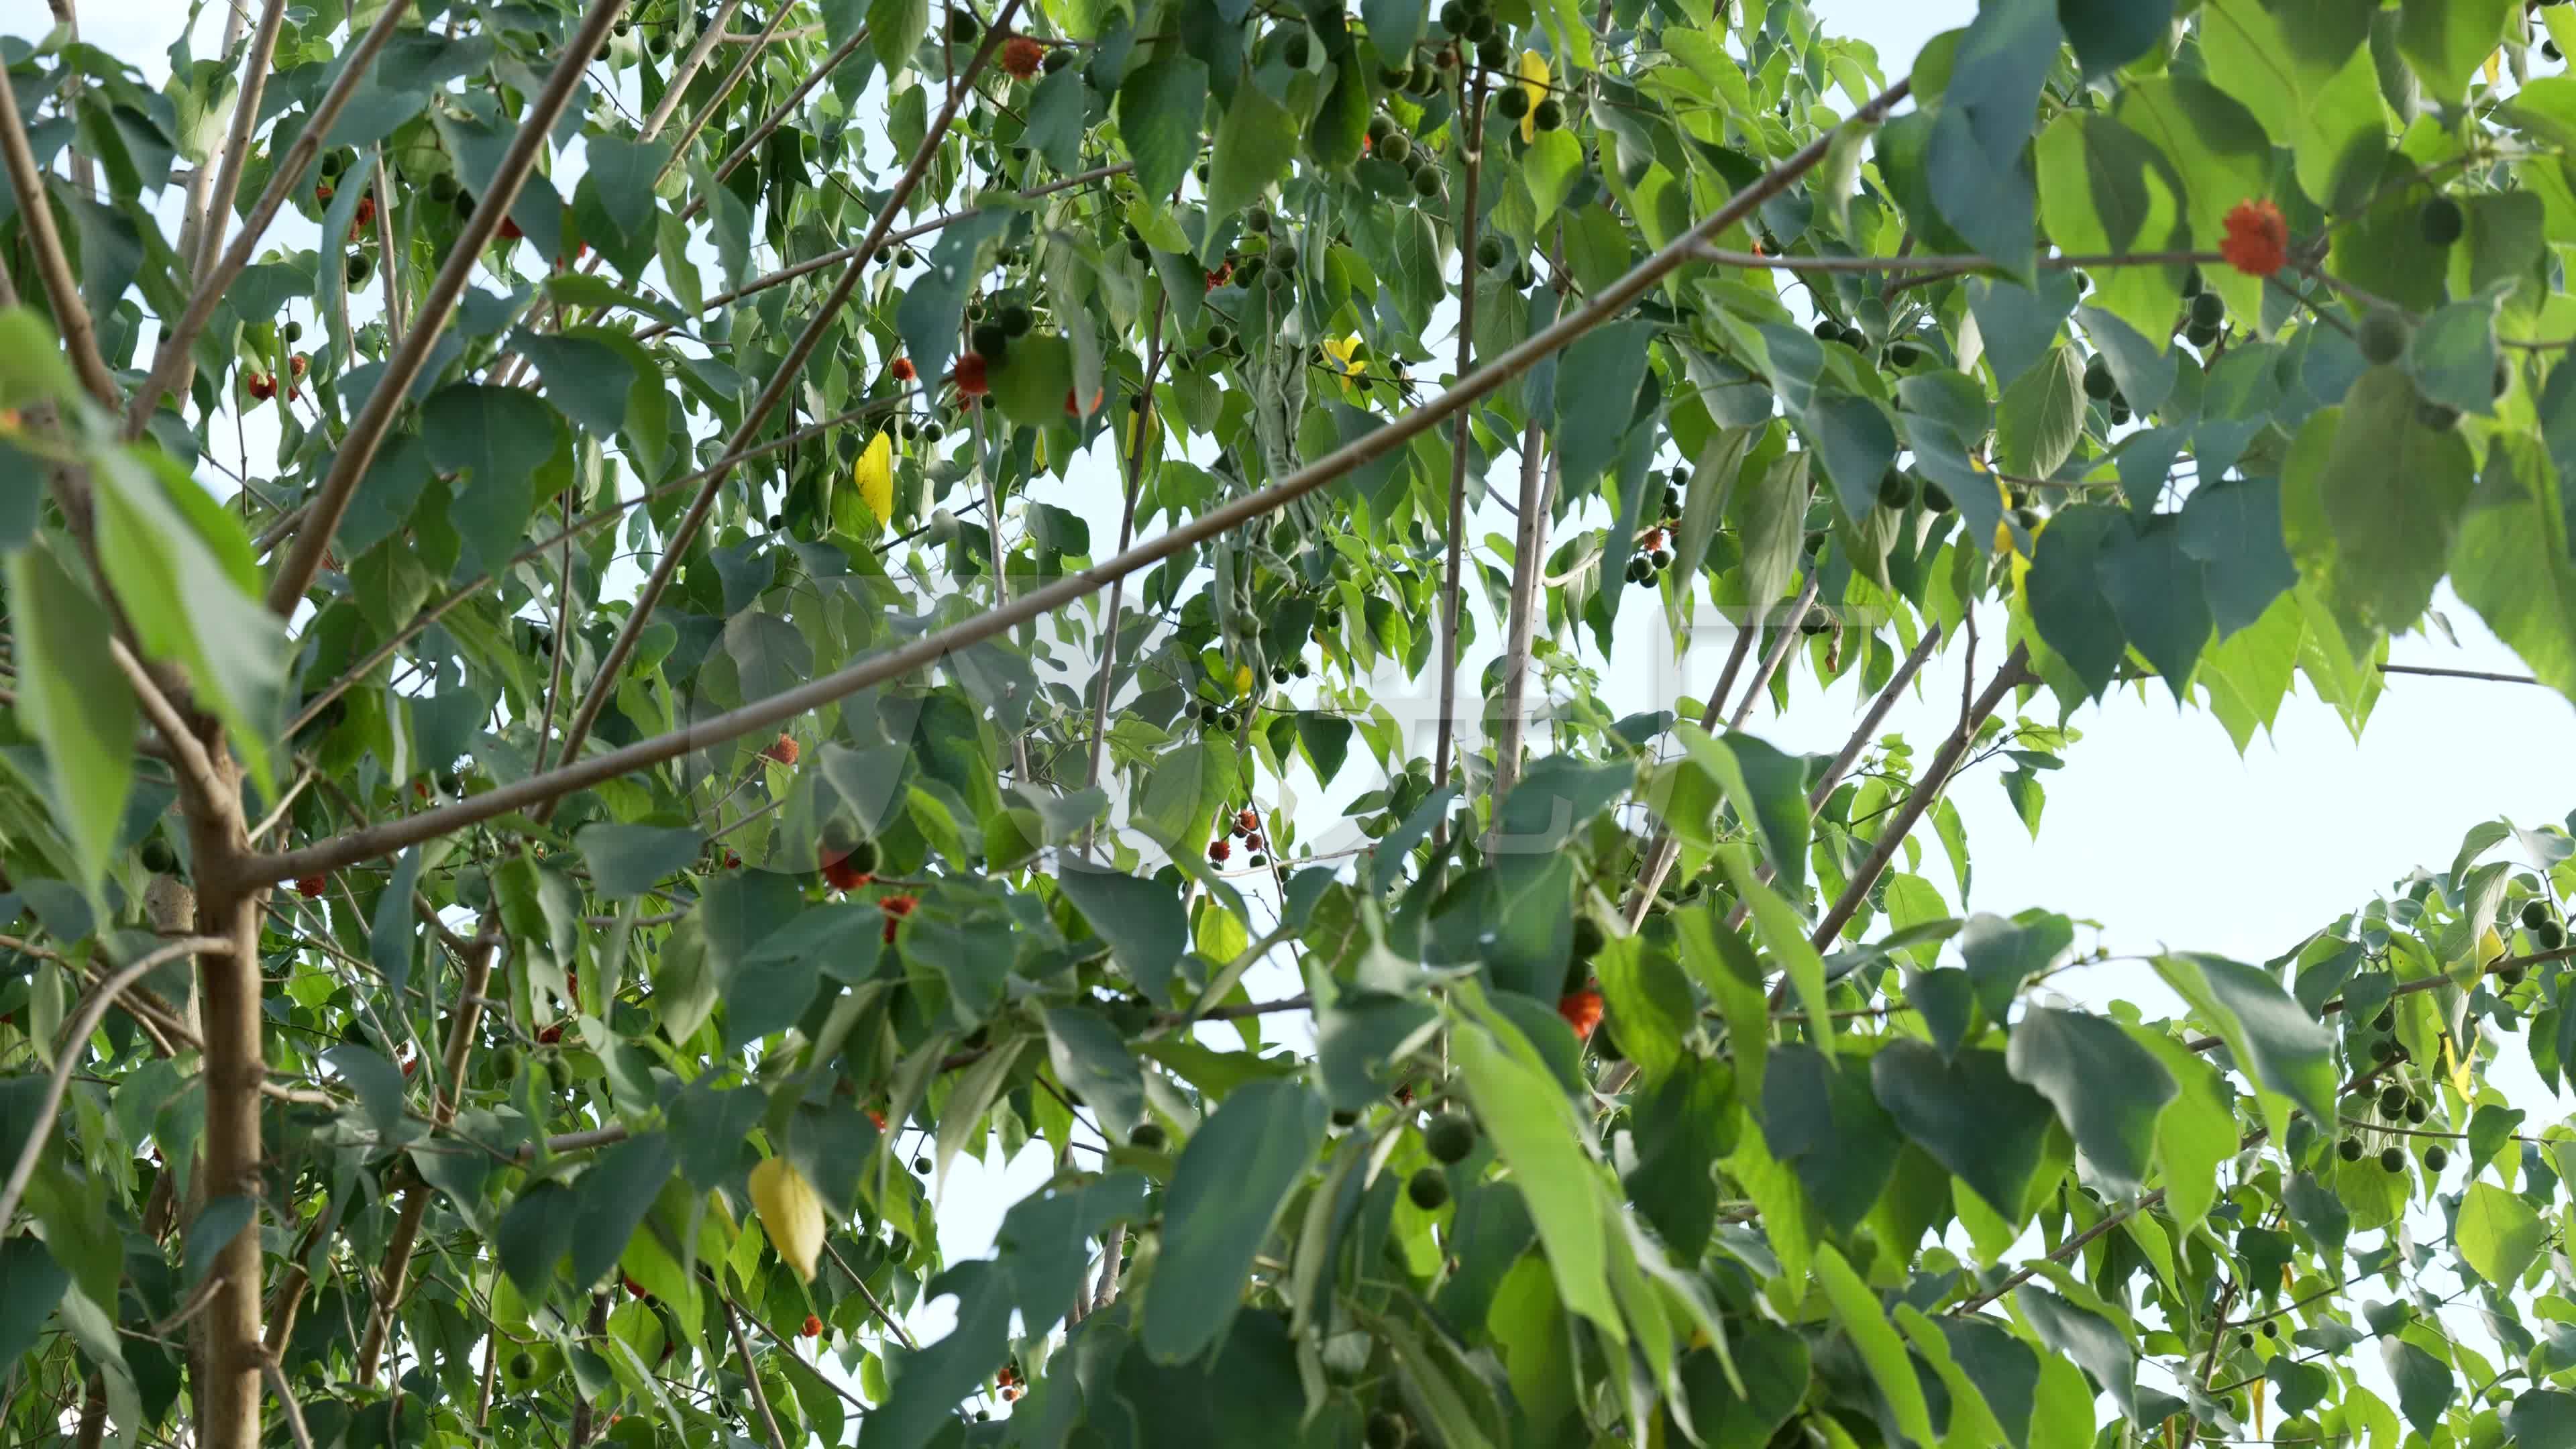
{"x": 226, "y": 1338}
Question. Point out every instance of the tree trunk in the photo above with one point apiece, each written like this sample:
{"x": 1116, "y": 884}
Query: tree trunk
{"x": 227, "y": 1339}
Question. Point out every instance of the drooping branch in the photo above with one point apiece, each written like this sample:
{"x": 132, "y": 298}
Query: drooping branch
{"x": 367, "y": 431}
{"x": 1927, "y": 788}
{"x": 927, "y": 651}
{"x": 173, "y": 360}
{"x": 675, "y": 547}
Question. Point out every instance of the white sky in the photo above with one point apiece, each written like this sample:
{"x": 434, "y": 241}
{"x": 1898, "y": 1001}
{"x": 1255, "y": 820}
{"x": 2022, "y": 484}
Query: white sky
{"x": 2156, "y": 829}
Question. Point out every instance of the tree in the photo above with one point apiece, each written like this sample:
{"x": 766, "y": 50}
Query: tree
{"x": 513, "y": 899}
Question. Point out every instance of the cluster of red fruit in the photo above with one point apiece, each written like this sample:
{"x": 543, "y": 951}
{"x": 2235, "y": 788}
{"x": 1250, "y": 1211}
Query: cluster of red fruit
{"x": 310, "y": 886}
{"x": 901, "y": 369}
{"x": 1581, "y": 1010}
{"x": 1021, "y": 57}
{"x": 1008, "y": 1381}
{"x": 1247, "y": 828}
{"x": 262, "y": 386}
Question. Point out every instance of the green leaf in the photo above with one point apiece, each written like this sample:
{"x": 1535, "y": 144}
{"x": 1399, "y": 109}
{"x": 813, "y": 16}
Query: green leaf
{"x": 1769, "y": 520}
{"x": 2272, "y": 1037}
{"x": 535, "y": 1234}
{"x": 2511, "y": 562}
{"x": 30, "y": 1284}
{"x": 2041, "y": 416}
{"x": 2108, "y": 34}
{"x": 1334, "y": 132}
{"x": 1596, "y": 396}
{"x": 2195, "y": 1133}
{"x": 1091, "y": 1058}
{"x": 2305, "y": 70}
{"x": 624, "y": 171}
{"x": 1232, "y": 1180}
{"x": 2425, "y": 1388}
{"x": 1882, "y": 1351}
{"x": 2105, "y": 188}
{"x": 613, "y": 1197}
{"x": 183, "y": 573}
{"x": 498, "y": 437}
{"x": 75, "y": 702}
{"x": 1821, "y": 1121}
{"x": 1970, "y": 1114}
{"x": 2107, "y": 1089}
{"x": 2220, "y": 156}
{"x": 1255, "y": 142}
{"x": 628, "y": 860}
{"x": 2154, "y": 588}
{"x": 1056, "y": 113}
{"x": 1777, "y": 923}
{"x": 2498, "y": 1234}
{"x": 2100, "y": 1347}
{"x": 1855, "y": 442}
{"x": 2542, "y": 1419}
{"x": 895, "y": 29}
{"x": 2065, "y": 591}
{"x": 2453, "y": 357}
{"x": 1768, "y": 790}
{"x": 587, "y": 378}
{"x": 2144, "y": 369}
{"x": 1160, "y": 107}
{"x": 1535, "y": 1133}
{"x": 1977, "y": 161}
{"x": 2445, "y": 41}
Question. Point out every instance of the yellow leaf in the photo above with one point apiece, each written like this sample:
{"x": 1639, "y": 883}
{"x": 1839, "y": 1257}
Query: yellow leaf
{"x": 790, "y": 1213}
{"x": 1144, "y": 429}
{"x": 1534, "y": 79}
{"x": 1242, "y": 681}
{"x": 2492, "y": 62}
{"x": 873, "y": 476}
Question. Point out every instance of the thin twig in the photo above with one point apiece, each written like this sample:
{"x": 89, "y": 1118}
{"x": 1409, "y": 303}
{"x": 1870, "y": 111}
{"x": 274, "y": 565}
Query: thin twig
{"x": 1135, "y": 460}
{"x": 1470, "y": 126}
{"x": 53, "y": 264}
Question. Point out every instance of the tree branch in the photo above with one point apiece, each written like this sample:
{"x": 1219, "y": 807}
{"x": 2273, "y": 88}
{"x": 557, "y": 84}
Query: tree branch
{"x": 245, "y": 122}
{"x": 367, "y": 431}
{"x": 53, "y": 264}
{"x": 676, "y": 546}
{"x": 1469, "y": 130}
{"x": 1520, "y": 629}
{"x": 930, "y": 649}
{"x": 1135, "y": 461}
{"x": 174, "y": 357}
{"x": 1928, "y": 788}
{"x": 687, "y": 70}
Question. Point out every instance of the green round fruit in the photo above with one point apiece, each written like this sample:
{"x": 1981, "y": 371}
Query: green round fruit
{"x": 523, "y": 1365}
{"x": 1936, "y": 498}
{"x": 2191, "y": 283}
{"x": 1228, "y": 723}
{"x": 2535, "y": 914}
{"x": 921, "y": 1165}
{"x": 559, "y": 1072}
{"x": 2392, "y": 1101}
{"x": 1903, "y": 354}
{"x": 1547, "y": 115}
{"x": 1016, "y": 321}
{"x": 2384, "y": 1049}
{"x": 1257, "y": 220}
{"x": 963, "y": 27}
{"x": 1426, "y": 182}
{"x": 2209, "y": 309}
{"x": 1056, "y": 60}
{"x": 1489, "y": 253}
{"x": 1283, "y": 255}
{"x": 1513, "y": 103}
{"x": 158, "y": 858}
{"x": 2416, "y": 1112}
{"x": 2349, "y": 1149}
{"x": 1345, "y": 1117}
{"x": 1386, "y": 1430}
{"x": 1395, "y": 148}
{"x": 2271, "y": 1328}
{"x": 1297, "y": 51}
{"x": 1209, "y": 714}
{"x": 2441, "y": 221}
{"x": 2384, "y": 335}
{"x": 1429, "y": 1189}
{"x": 2386, "y": 1020}
{"x": 1661, "y": 558}
{"x": 1895, "y": 490}
{"x": 2392, "y": 1160}
{"x": 1450, "y": 1137}
{"x": 2200, "y": 337}
{"x": 2437, "y": 1157}
{"x": 990, "y": 340}
{"x": 505, "y": 1064}
{"x": 1148, "y": 1135}
{"x": 2098, "y": 384}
